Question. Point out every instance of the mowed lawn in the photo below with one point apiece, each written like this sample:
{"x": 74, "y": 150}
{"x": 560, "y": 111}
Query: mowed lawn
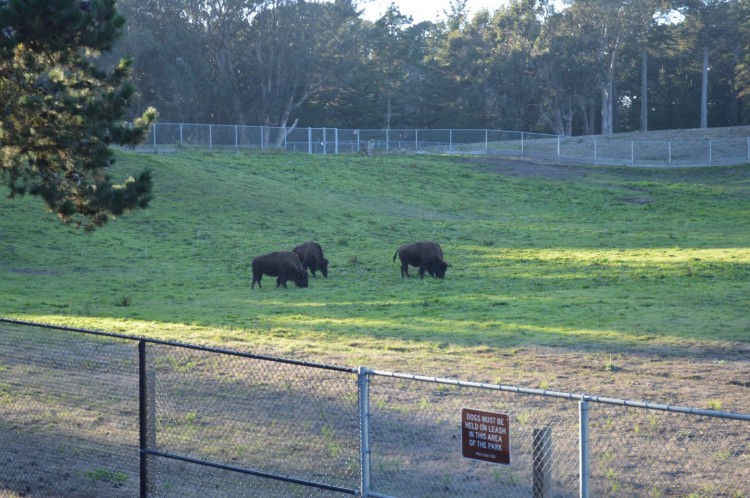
{"x": 585, "y": 259}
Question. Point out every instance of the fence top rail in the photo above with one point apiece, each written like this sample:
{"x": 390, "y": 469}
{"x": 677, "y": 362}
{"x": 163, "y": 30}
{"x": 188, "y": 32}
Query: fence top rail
{"x": 572, "y": 396}
{"x": 183, "y": 345}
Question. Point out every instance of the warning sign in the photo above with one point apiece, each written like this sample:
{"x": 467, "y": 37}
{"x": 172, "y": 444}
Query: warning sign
{"x": 485, "y": 436}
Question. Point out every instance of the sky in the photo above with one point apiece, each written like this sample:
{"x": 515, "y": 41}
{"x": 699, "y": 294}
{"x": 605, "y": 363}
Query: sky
{"x": 424, "y": 10}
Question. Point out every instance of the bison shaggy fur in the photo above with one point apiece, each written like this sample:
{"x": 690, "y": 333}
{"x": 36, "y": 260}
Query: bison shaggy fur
{"x": 284, "y": 265}
{"x": 427, "y": 256}
{"x": 311, "y": 256}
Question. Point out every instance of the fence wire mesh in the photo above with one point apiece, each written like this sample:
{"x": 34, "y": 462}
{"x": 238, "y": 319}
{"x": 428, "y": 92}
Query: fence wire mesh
{"x": 224, "y": 424}
{"x": 269, "y": 417}
{"x": 416, "y": 441}
{"x": 68, "y": 414}
{"x": 599, "y": 149}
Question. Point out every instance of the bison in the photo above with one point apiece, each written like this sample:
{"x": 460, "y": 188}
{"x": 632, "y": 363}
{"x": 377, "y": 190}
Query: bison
{"x": 428, "y": 256}
{"x": 284, "y": 265}
{"x": 311, "y": 256}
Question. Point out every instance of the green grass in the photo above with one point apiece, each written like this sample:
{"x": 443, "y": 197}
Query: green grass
{"x": 608, "y": 259}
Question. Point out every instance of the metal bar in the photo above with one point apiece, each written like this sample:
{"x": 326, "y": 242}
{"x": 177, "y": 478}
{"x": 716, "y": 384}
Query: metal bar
{"x": 583, "y": 462}
{"x": 363, "y": 383}
{"x": 259, "y": 473}
{"x": 143, "y": 419}
{"x": 570, "y": 396}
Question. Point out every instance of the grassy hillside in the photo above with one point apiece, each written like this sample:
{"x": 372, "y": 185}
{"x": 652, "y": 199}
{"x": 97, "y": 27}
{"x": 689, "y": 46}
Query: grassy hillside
{"x": 594, "y": 259}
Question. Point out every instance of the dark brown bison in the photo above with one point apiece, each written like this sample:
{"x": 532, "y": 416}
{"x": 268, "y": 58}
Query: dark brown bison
{"x": 428, "y": 256}
{"x": 311, "y": 256}
{"x": 284, "y": 265}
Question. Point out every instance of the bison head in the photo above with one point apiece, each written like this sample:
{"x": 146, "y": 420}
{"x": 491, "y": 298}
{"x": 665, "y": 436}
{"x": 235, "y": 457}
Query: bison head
{"x": 440, "y": 269}
{"x": 301, "y": 280}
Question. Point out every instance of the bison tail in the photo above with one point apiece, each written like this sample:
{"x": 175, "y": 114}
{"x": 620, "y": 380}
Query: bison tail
{"x": 394, "y": 256}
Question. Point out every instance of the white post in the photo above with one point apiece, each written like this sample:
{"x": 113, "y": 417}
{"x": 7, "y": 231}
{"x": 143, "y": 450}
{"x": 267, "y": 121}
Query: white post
{"x": 521, "y": 143}
{"x": 262, "y": 145}
{"x": 210, "y": 136}
{"x": 416, "y": 140}
{"x": 181, "y": 140}
{"x": 670, "y": 152}
{"x": 236, "y": 141}
{"x": 632, "y": 152}
{"x": 450, "y": 141}
{"x": 486, "y": 141}
{"x": 710, "y": 152}
{"x": 558, "y": 148}
{"x": 336, "y": 140}
{"x": 309, "y": 140}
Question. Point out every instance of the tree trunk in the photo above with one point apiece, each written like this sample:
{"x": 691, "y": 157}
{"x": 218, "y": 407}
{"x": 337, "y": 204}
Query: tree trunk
{"x": 644, "y": 90}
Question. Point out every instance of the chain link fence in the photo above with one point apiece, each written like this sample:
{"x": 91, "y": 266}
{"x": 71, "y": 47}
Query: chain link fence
{"x": 584, "y": 149}
{"x": 86, "y": 413}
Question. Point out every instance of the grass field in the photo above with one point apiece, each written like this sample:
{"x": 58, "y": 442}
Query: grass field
{"x": 627, "y": 282}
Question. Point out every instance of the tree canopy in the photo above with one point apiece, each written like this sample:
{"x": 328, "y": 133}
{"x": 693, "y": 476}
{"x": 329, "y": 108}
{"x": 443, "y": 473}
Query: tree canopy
{"x": 61, "y": 110}
{"x": 572, "y": 67}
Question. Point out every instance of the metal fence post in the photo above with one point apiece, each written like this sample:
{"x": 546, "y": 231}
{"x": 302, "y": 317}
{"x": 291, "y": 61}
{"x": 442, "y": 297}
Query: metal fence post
{"x": 416, "y": 140}
{"x": 583, "y": 462}
{"x": 521, "y": 143}
{"x": 710, "y": 152}
{"x": 309, "y": 140}
{"x": 542, "y": 463}
{"x": 558, "y": 149}
{"x": 632, "y": 152}
{"x": 154, "y": 128}
{"x": 147, "y": 420}
{"x": 210, "y": 136}
{"x": 335, "y": 140}
{"x": 236, "y": 140}
{"x": 595, "y": 155}
{"x": 363, "y": 383}
{"x": 181, "y": 139}
{"x": 450, "y": 141}
{"x": 670, "y": 153}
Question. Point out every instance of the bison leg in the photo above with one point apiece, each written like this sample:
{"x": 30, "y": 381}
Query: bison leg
{"x": 404, "y": 270}
{"x": 256, "y": 279}
{"x": 421, "y": 271}
{"x": 281, "y": 281}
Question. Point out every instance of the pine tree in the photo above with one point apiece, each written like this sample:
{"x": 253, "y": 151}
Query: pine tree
{"x": 59, "y": 111}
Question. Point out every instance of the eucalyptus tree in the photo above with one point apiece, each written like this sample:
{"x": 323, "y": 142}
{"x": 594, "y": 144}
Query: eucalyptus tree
{"x": 171, "y": 67}
{"x": 296, "y": 49}
{"x": 708, "y": 22}
{"x": 604, "y": 25}
{"x": 61, "y": 110}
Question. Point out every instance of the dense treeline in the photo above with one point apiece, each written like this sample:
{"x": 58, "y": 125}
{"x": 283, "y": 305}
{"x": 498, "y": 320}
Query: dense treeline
{"x": 590, "y": 66}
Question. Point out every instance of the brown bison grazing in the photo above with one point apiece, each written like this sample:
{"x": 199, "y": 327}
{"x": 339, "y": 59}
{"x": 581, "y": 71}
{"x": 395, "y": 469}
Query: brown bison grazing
{"x": 311, "y": 256}
{"x": 428, "y": 256}
{"x": 284, "y": 265}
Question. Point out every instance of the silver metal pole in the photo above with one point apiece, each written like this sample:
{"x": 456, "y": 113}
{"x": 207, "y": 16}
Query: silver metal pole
{"x": 584, "y": 441}
{"x": 670, "y": 153}
{"x": 309, "y": 140}
{"x": 236, "y": 140}
{"x": 210, "y": 136}
{"x": 710, "y": 152}
{"x": 632, "y": 152}
{"x": 595, "y": 156}
{"x": 363, "y": 381}
{"x": 521, "y": 143}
